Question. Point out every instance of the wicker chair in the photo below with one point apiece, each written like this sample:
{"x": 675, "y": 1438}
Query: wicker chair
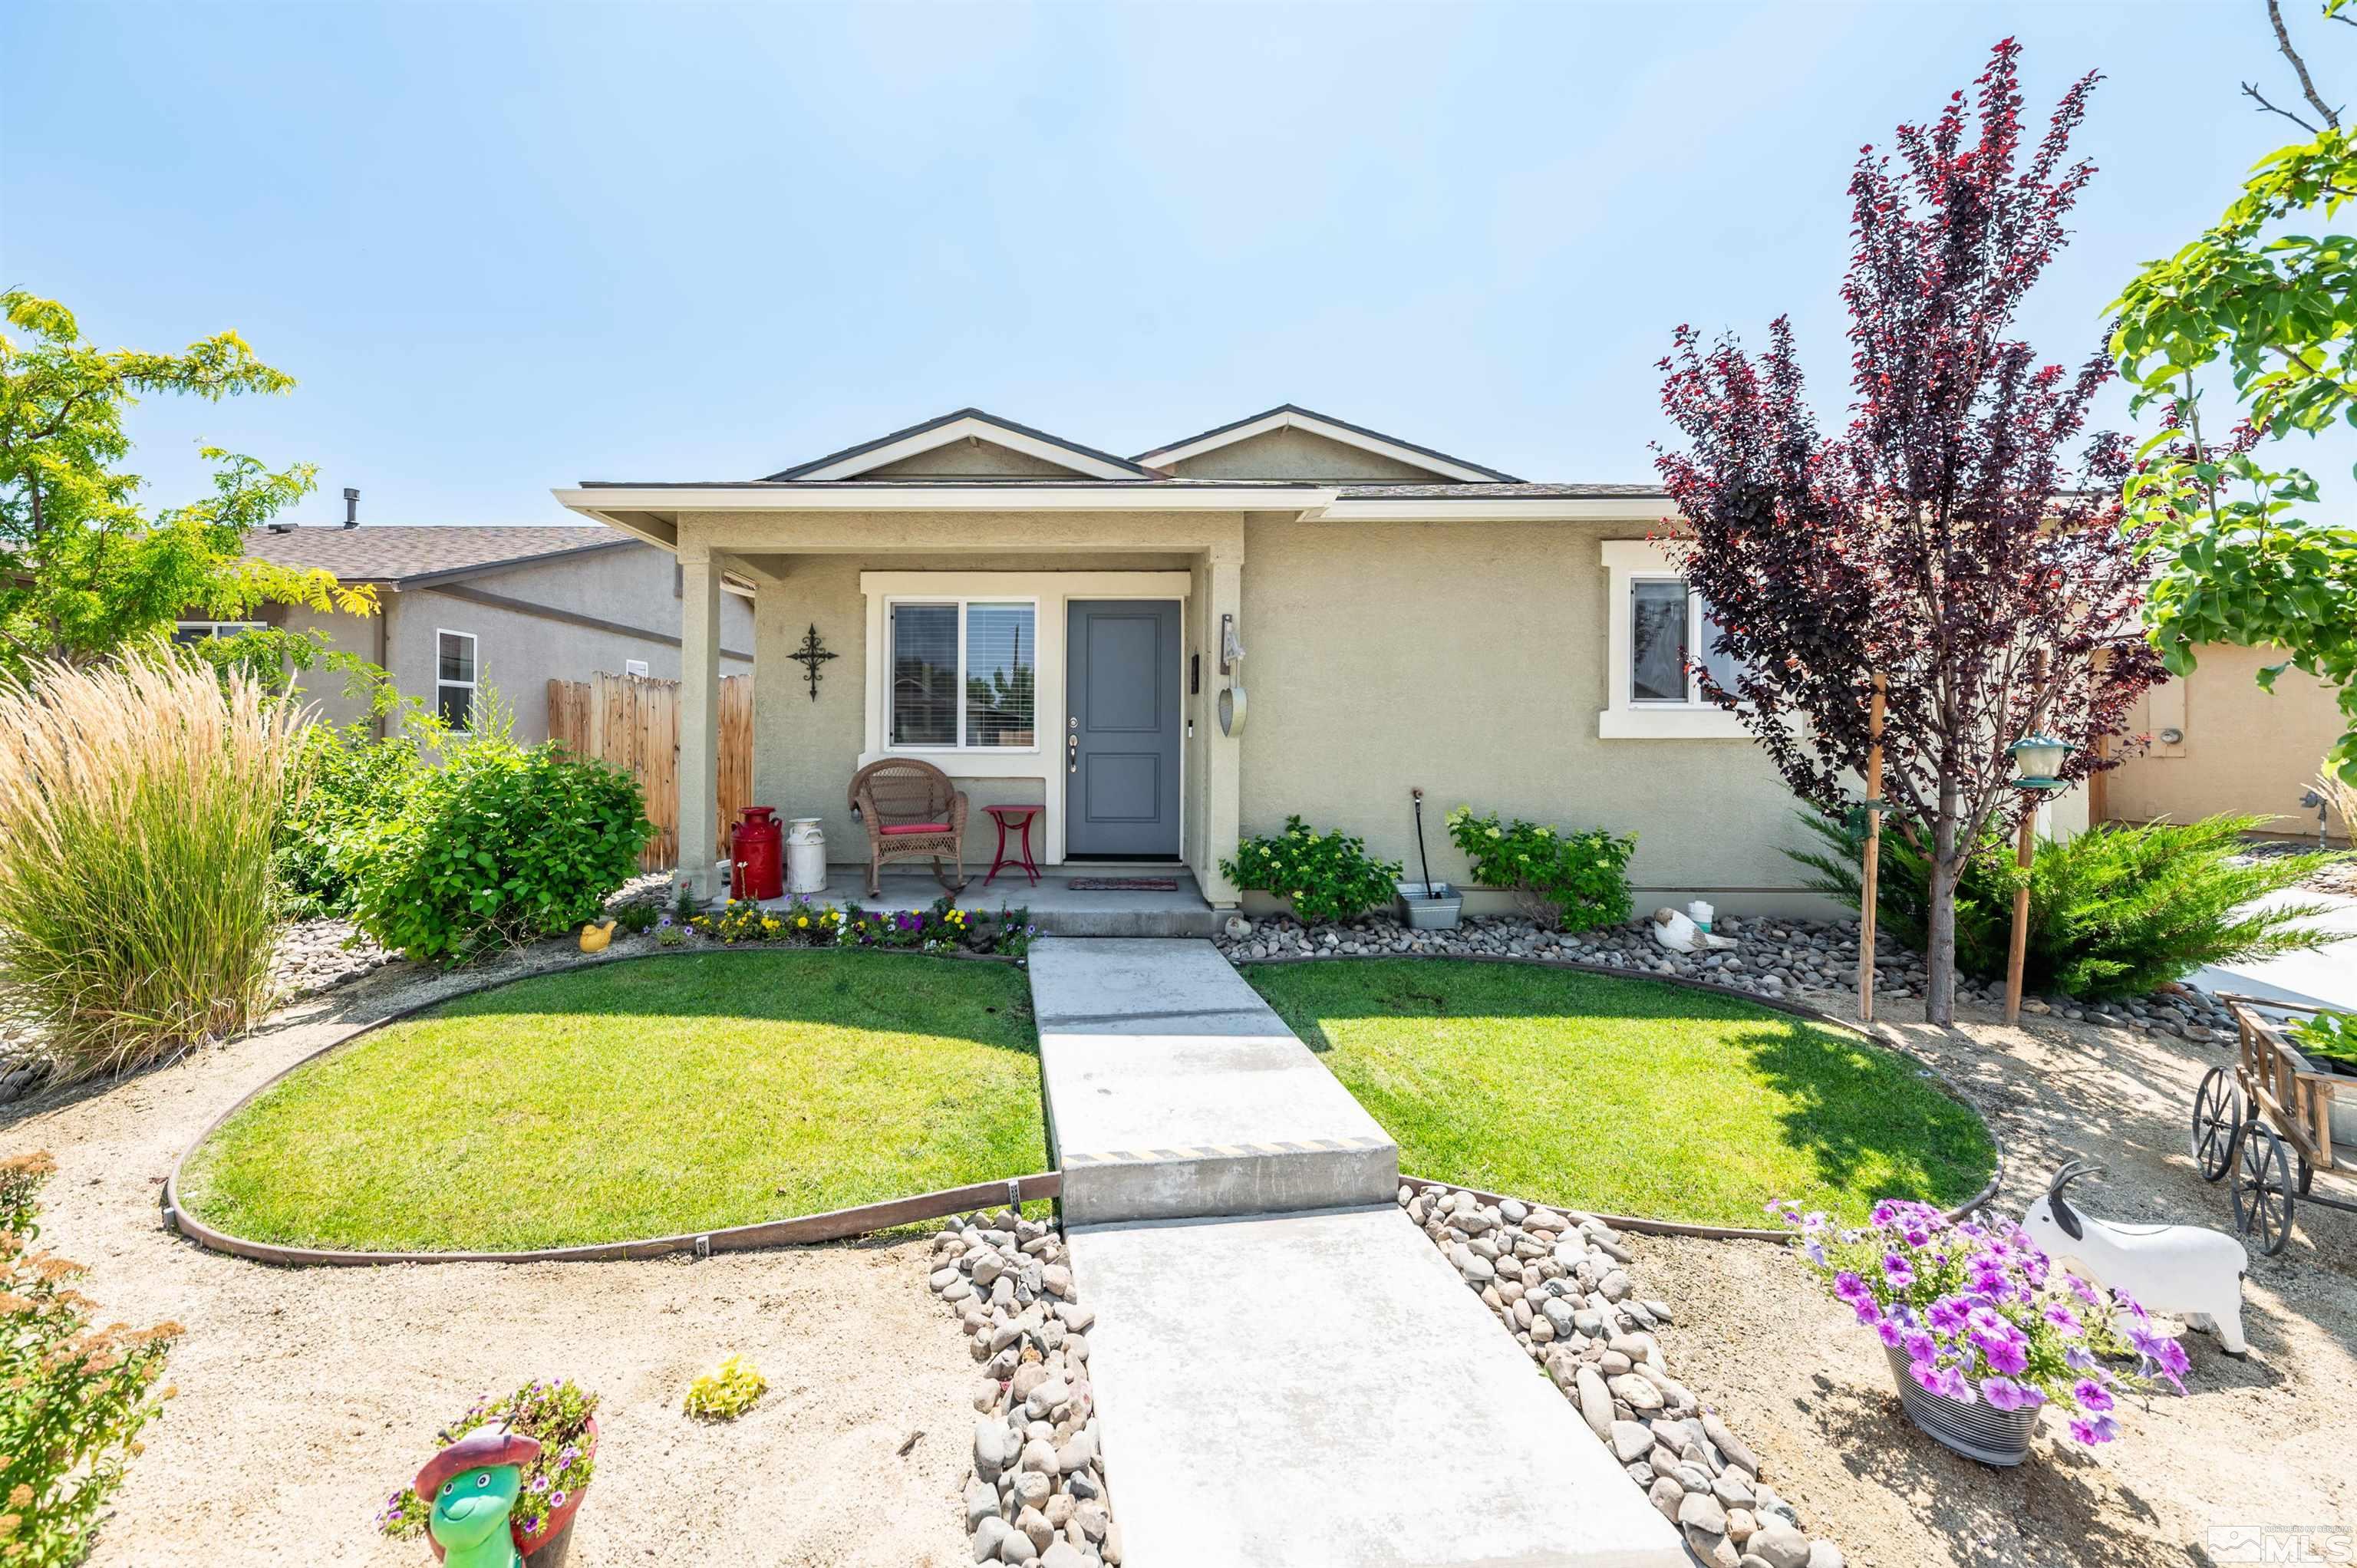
{"x": 911, "y": 810}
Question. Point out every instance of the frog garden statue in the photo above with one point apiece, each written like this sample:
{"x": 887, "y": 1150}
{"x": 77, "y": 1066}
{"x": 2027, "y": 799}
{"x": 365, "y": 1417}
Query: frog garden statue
{"x": 471, "y": 1487}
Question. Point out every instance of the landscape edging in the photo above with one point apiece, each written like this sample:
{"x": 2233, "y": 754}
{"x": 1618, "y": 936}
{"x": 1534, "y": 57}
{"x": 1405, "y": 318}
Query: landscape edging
{"x": 1873, "y": 1032}
{"x": 834, "y": 1225}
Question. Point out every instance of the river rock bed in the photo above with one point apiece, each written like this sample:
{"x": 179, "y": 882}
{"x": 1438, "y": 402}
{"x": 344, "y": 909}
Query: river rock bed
{"x": 318, "y": 955}
{"x": 1561, "y": 1283}
{"x": 1036, "y": 1493}
{"x": 1775, "y": 957}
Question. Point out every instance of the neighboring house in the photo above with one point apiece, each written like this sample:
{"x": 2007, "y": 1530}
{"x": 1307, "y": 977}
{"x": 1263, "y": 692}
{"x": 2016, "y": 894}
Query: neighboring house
{"x": 2219, "y": 744}
{"x": 1051, "y": 623}
{"x": 465, "y": 610}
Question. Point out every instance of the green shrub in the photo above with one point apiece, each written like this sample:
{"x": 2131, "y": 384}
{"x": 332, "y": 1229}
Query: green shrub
{"x": 2113, "y": 911}
{"x": 501, "y": 844}
{"x": 1328, "y": 877}
{"x": 1579, "y": 880}
{"x": 725, "y": 1394}
{"x": 138, "y": 803}
{"x": 72, "y": 1398}
{"x": 637, "y": 918}
{"x": 346, "y": 783}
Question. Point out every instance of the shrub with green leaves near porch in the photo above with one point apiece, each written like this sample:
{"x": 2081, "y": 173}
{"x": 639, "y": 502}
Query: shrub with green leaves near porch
{"x": 73, "y": 1397}
{"x": 502, "y": 844}
{"x": 1328, "y": 876}
{"x": 346, "y": 782}
{"x": 137, "y": 806}
{"x": 2113, "y": 911}
{"x": 1580, "y": 879}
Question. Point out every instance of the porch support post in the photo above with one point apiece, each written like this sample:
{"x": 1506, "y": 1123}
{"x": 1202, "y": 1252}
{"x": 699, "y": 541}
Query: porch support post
{"x": 1224, "y": 772}
{"x": 699, "y": 716}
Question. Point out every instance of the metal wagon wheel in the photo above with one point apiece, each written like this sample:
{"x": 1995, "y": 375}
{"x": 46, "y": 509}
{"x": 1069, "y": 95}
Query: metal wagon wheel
{"x": 2217, "y": 1123}
{"x": 2263, "y": 1195}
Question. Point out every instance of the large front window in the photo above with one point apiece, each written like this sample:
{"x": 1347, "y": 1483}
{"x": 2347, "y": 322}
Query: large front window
{"x": 962, "y": 674}
{"x": 1670, "y": 636}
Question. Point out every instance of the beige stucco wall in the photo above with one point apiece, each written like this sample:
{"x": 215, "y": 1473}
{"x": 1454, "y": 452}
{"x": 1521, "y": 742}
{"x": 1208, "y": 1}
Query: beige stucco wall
{"x": 1469, "y": 658}
{"x": 2245, "y": 750}
{"x": 1466, "y": 656}
{"x": 518, "y": 652}
{"x": 1290, "y": 454}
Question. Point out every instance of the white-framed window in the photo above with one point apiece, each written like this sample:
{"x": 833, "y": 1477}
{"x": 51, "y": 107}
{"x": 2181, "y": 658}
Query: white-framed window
{"x": 635, "y": 668}
{"x": 962, "y": 674}
{"x": 454, "y": 679}
{"x": 188, "y": 631}
{"x": 1657, "y": 631}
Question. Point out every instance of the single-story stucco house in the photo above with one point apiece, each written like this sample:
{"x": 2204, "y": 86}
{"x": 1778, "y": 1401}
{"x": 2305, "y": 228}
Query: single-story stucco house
{"x": 466, "y": 611}
{"x": 1284, "y": 615}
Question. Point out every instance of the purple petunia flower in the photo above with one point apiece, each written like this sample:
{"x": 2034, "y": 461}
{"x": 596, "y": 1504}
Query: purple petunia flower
{"x": 1920, "y": 1346}
{"x": 2063, "y": 1319}
{"x": 556, "y": 1500}
{"x": 2083, "y": 1291}
{"x": 1946, "y": 1315}
{"x": 1897, "y": 1270}
{"x": 2078, "y": 1359}
{"x": 2091, "y": 1395}
{"x": 540, "y": 1482}
{"x": 2002, "y": 1394}
{"x": 1890, "y": 1332}
{"x": 1849, "y": 1288}
{"x": 2101, "y": 1430}
{"x": 2009, "y": 1355}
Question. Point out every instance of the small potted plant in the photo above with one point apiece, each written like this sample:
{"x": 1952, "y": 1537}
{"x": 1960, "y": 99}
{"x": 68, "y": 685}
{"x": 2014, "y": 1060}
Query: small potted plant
{"x": 562, "y": 1416}
{"x": 1982, "y": 1330}
{"x": 2327, "y": 1042}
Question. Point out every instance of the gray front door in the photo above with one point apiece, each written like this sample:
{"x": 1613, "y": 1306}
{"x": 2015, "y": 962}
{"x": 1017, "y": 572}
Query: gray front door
{"x": 1121, "y": 738}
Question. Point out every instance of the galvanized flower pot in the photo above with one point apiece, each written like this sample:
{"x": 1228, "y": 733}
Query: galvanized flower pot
{"x": 1976, "y": 1430}
{"x": 1433, "y": 907}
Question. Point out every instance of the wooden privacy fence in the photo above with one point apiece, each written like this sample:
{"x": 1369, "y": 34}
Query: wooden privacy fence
{"x": 632, "y": 723}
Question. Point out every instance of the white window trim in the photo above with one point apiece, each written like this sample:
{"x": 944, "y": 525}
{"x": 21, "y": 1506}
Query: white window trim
{"x": 963, "y": 601}
{"x": 1626, "y": 562}
{"x": 216, "y": 628}
{"x": 473, "y": 687}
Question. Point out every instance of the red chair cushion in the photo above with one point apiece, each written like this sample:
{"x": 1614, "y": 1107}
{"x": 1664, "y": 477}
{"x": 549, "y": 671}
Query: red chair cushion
{"x": 898, "y": 829}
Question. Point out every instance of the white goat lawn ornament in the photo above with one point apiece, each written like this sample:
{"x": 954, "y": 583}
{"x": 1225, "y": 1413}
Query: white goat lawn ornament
{"x": 2186, "y": 1271}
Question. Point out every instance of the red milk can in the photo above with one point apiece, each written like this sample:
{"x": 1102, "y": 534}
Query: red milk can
{"x": 757, "y": 848}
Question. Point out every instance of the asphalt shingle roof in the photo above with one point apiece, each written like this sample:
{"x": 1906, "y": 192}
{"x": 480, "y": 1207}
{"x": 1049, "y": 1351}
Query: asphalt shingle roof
{"x": 377, "y": 553}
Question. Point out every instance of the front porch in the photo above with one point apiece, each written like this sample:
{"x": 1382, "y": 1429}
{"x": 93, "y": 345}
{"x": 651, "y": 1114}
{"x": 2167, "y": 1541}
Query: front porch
{"x": 1056, "y": 907}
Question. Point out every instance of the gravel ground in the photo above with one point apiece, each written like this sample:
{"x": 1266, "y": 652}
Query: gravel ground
{"x": 2258, "y": 1441}
{"x": 306, "y": 1395}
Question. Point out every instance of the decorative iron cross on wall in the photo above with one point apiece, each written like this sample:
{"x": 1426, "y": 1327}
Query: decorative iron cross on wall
{"x": 814, "y": 653}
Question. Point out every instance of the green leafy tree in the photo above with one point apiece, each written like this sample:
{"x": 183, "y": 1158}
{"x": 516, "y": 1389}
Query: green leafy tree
{"x": 2244, "y": 555}
{"x": 84, "y": 569}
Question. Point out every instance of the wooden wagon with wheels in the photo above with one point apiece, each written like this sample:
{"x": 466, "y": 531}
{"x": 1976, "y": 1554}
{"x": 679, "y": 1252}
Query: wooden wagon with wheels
{"x": 2269, "y": 1120}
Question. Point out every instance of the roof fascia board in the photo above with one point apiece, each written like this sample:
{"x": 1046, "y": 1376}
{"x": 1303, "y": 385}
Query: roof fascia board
{"x": 984, "y": 429}
{"x": 1300, "y": 419}
{"x": 1558, "y": 509}
{"x": 604, "y": 502}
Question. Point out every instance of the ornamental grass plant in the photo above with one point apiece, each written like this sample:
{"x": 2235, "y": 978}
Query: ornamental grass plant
{"x": 138, "y": 803}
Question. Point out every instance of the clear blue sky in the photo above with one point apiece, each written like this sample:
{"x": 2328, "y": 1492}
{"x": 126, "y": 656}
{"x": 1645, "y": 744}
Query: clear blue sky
{"x": 504, "y": 248}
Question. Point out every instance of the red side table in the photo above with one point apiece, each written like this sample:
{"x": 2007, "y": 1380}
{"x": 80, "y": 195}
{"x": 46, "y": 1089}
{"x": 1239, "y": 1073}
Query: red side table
{"x": 1019, "y": 817}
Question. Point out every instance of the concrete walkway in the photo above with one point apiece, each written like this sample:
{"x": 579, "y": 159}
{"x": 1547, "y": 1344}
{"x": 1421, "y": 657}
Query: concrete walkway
{"x": 2324, "y": 978}
{"x": 1289, "y": 1374}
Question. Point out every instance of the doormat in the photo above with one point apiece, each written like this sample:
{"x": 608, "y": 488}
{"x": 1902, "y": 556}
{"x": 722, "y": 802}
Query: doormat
{"x": 1122, "y": 885}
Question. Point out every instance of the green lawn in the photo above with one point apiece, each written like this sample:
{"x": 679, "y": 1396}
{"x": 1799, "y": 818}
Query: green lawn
{"x": 671, "y": 1094}
{"x": 1624, "y": 1096}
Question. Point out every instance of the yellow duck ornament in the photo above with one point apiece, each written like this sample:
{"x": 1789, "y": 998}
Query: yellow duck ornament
{"x": 595, "y": 935}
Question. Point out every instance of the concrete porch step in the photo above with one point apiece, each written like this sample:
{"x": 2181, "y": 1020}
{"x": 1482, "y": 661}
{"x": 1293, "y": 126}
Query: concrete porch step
{"x": 1173, "y": 1091}
{"x": 1057, "y": 908}
{"x": 1320, "y": 1391}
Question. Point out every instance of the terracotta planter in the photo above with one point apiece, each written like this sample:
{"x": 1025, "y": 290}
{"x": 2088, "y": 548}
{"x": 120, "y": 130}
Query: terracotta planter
{"x": 554, "y": 1525}
{"x": 1976, "y": 1430}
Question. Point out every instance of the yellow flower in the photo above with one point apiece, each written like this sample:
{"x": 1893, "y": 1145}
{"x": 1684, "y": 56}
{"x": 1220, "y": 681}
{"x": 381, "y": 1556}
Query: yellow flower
{"x": 770, "y": 923}
{"x": 801, "y": 919}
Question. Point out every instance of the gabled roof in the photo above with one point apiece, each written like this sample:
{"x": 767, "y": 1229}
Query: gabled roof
{"x": 1288, "y": 416}
{"x": 409, "y": 555}
{"x": 1086, "y": 461}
